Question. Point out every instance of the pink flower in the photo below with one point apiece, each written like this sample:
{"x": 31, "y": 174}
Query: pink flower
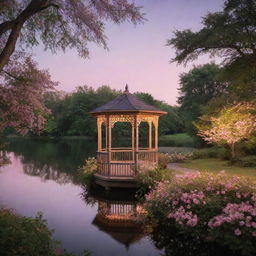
{"x": 241, "y": 223}
{"x": 237, "y": 232}
{"x": 195, "y": 201}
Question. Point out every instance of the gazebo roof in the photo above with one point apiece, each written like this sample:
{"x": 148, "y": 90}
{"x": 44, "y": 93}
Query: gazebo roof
{"x": 126, "y": 102}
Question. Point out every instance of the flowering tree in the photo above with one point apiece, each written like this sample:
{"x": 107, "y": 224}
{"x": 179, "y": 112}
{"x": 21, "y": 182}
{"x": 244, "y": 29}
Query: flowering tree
{"x": 22, "y": 87}
{"x": 59, "y": 24}
{"x": 232, "y": 125}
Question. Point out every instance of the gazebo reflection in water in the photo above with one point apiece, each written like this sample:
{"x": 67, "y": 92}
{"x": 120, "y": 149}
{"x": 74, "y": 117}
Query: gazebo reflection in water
{"x": 117, "y": 166}
{"x": 118, "y": 215}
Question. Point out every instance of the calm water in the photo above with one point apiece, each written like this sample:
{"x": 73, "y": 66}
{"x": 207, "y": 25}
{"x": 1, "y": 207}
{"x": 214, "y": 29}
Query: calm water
{"x": 40, "y": 178}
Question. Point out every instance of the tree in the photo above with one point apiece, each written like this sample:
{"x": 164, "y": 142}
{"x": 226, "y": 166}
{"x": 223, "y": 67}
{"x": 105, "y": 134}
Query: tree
{"x": 197, "y": 88}
{"x": 59, "y": 24}
{"x": 169, "y": 123}
{"x": 69, "y": 112}
{"x": 21, "y": 94}
{"x": 230, "y": 34}
{"x": 232, "y": 125}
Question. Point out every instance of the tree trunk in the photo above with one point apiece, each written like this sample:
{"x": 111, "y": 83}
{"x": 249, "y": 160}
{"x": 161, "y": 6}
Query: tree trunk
{"x": 10, "y": 45}
{"x": 232, "y": 146}
{"x": 16, "y": 25}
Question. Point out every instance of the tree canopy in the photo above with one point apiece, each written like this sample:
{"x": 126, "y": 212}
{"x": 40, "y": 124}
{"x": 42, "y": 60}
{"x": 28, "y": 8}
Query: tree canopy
{"x": 22, "y": 88}
{"x": 69, "y": 112}
{"x": 231, "y": 125}
{"x": 230, "y": 34}
{"x": 197, "y": 87}
{"x": 59, "y": 24}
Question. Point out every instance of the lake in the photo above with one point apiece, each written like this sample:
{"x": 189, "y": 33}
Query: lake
{"x": 40, "y": 178}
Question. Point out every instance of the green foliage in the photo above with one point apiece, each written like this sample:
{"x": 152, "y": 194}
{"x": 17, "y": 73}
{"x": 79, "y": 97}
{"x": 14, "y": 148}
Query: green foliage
{"x": 246, "y": 161}
{"x": 69, "y": 113}
{"x": 25, "y": 236}
{"x": 169, "y": 123}
{"x": 213, "y": 152}
{"x": 163, "y": 160}
{"x": 86, "y": 172}
{"x": 180, "y": 157}
{"x": 237, "y": 48}
{"x": 197, "y": 88}
{"x": 148, "y": 178}
{"x": 177, "y": 140}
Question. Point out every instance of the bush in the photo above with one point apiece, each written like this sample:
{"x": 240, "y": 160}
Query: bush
{"x": 180, "y": 157}
{"x": 177, "y": 140}
{"x": 149, "y": 178}
{"x": 163, "y": 160}
{"x": 210, "y": 207}
{"x": 247, "y": 161}
{"x": 213, "y": 152}
{"x": 86, "y": 172}
{"x": 25, "y": 236}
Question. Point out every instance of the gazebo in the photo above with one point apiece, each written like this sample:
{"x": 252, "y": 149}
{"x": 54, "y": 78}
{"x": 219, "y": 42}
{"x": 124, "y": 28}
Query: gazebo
{"x": 116, "y": 165}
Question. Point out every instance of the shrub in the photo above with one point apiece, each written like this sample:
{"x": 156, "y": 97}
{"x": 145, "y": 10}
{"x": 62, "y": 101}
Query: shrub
{"x": 149, "y": 178}
{"x": 213, "y": 152}
{"x": 209, "y": 207}
{"x": 86, "y": 172}
{"x": 25, "y": 236}
{"x": 247, "y": 161}
{"x": 180, "y": 157}
{"x": 163, "y": 160}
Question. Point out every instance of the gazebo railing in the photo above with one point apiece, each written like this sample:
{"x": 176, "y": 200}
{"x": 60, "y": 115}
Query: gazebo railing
{"x": 123, "y": 162}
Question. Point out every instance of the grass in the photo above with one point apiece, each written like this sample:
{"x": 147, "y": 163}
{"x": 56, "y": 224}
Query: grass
{"x": 215, "y": 165}
{"x": 177, "y": 140}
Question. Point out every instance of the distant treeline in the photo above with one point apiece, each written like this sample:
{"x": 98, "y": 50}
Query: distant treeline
{"x": 69, "y": 112}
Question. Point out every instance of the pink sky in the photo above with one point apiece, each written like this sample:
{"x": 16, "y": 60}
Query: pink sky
{"x": 137, "y": 54}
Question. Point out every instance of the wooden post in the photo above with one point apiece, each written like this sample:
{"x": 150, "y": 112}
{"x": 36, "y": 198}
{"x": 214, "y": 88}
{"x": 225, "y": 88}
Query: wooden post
{"x": 109, "y": 144}
{"x": 156, "y": 134}
{"x": 150, "y": 135}
{"x": 106, "y": 135}
{"x": 133, "y": 142}
{"x": 99, "y": 125}
{"x": 136, "y": 142}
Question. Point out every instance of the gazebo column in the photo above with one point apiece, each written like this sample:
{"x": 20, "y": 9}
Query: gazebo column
{"x": 156, "y": 133}
{"x": 133, "y": 142}
{"x": 109, "y": 144}
{"x": 136, "y": 142}
{"x": 150, "y": 135}
{"x": 99, "y": 125}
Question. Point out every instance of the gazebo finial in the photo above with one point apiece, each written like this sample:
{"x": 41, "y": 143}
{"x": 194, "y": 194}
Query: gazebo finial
{"x": 126, "y": 88}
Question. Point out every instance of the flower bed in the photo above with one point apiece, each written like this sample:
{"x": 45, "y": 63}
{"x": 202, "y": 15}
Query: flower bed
{"x": 212, "y": 207}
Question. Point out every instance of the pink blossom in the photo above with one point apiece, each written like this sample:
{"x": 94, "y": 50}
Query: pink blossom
{"x": 237, "y": 232}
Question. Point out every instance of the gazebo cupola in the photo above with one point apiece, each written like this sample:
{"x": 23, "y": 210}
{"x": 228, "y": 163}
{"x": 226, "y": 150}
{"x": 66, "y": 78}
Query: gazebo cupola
{"x": 120, "y": 164}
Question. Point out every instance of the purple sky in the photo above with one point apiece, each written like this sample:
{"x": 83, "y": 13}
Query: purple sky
{"x": 137, "y": 54}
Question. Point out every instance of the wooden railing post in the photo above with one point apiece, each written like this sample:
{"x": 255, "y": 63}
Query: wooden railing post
{"x": 136, "y": 143}
{"x": 109, "y": 144}
{"x": 150, "y": 135}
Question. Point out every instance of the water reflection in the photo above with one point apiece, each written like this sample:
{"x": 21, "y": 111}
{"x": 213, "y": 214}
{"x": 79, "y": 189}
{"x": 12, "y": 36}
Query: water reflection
{"x": 43, "y": 174}
{"x": 118, "y": 213}
{"x": 56, "y": 160}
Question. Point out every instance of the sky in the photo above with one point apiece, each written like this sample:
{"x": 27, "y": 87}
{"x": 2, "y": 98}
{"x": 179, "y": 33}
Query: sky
{"x": 137, "y": 55}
